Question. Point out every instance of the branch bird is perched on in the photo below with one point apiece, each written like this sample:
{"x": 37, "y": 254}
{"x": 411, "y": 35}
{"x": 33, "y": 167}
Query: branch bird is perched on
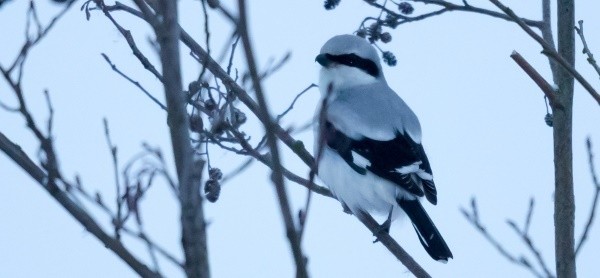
{"x": 368, "y": 144}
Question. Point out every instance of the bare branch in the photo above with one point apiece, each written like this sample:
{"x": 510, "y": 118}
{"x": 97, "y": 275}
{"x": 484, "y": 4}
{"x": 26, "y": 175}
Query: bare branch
{"x": 189, "y": 169}
{"x": 590, "y": 220}
{"x": 473, "y": 218}
{"x": 524, "y": 235}
{"x": 137, "y": 84}
{"x": 113, "y": 153}
{"x": 280, "y": 116}
{"x": 549, "y": 51}
{"x": 127, "y": 34}
{"x": 19, "y": 157}
{"x": 586, "y": 50}
{"x": 538, "y": 79}
{"x": 546, "y": 30}
{"x": 448, "y": 7}
{"x": 265, "y": 159}
{"x": 393, "y": 246}
{"x": 277, "y": 175}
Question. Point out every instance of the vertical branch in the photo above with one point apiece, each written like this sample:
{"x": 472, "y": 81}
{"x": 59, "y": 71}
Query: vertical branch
{"x": 277, "y": 175}
{"x": 546, "y": 29}
{"x": 564, "y": 203}
{"x": 189, "y": 172}
{"x": 118, "y": 221}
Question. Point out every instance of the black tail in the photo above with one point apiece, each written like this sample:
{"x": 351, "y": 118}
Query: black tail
{"x": 430, "y": 237}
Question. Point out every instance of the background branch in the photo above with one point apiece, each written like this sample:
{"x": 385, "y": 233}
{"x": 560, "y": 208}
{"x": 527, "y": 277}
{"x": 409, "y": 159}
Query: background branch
{"x": 277, "y": 176}
{"x": 189, "y": 170}
{"x": 18, "y": 156}
{"x": 590, "y": 220}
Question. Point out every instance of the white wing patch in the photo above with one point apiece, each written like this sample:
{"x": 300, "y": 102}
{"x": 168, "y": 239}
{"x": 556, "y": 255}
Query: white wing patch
{"x": 360, "y": 160}
{"x": 415, "y": 169}
{"x": 408, "y": 169}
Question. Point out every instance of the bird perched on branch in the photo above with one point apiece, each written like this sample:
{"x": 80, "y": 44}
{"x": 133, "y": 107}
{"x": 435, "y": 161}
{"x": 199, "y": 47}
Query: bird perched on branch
{"x": 368, "y": 143}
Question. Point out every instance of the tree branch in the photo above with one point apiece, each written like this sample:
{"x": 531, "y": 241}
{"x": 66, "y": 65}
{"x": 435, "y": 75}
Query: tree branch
{"x": 473, "y": 218}
{"x": 137, "y": 84}
{"x": 590, "y": 220}
{"x": 470, "y": 8}
{"x": 277, "y": 176}
{"x": 15, "y": 152}
{"x": 538, "y": 79}
{"x": 549, "y": 51}
{"x": 393, "y": 246}
{"x": 189, "y": 170}
{"x": 586, "y": 50}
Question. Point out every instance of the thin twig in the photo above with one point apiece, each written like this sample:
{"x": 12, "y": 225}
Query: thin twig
{"x": 280, "y": 116}
{"x": 596, "y": 183}
{"x": 277, "y": 175}
{"x": 473, "y": 218}
{"x": 118, "y": 223}
{"x": 8, "y": 108}
{"x": 524, "y": 235}
{"x": 207, "y": 36}
{"x": 127, "y": 35}
{"x": 265, "y": 159}
{"x": 448, "y": 7}
{"x": 136, "y": 83}
{"x": 15, "y": 152}
{"x": 586, "y": 50}
{"x": 318, "y": 155}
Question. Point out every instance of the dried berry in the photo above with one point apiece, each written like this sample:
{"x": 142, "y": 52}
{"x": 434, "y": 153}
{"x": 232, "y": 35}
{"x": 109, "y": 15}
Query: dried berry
{"x": 238, "y": 117}
{"x": 215, "y": 174}
{"x": 386, "y": 37}
{"x": 210, "y": 104}
{"x": 406, "y": 8}
{"x": 212, "y": 190}
{"x": 549, "y": 119}
{"x": 196, "y": 123}
{"x": 389, "y": 58}
{"x": 331, "y": 4}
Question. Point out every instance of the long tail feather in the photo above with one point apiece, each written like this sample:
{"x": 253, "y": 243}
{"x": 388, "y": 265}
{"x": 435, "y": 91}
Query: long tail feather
{"x": 430, "y": 237}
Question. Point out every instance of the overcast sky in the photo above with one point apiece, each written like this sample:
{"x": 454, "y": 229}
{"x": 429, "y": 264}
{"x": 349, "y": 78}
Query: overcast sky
{"x": 482, "y": 120}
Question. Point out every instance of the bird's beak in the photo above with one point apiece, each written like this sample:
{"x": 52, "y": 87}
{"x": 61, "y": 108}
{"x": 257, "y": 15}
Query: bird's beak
{"x": 323, "y": 60}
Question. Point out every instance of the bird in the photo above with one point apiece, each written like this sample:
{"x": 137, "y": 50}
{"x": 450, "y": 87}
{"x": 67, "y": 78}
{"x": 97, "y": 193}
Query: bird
{"x": 368, "y": 145}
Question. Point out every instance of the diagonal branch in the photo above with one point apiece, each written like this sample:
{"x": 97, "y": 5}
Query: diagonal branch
{"x": 15, "y": 152}
{"x": 393, "y": 246}
{"x": 549, "y": 51}
{"x": 538, "y": 79}
{"x": 136, "y": 83}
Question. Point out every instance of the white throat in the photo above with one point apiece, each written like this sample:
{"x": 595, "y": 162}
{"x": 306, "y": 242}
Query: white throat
{"x": 341, "y": 77}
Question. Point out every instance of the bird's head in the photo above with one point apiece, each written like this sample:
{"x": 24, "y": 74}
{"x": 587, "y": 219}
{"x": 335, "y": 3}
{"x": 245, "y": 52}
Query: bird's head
{"x": 348, "y": 61}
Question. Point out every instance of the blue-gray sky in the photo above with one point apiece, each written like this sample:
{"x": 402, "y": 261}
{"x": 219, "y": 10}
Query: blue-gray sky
{"x": 482, "y": 121}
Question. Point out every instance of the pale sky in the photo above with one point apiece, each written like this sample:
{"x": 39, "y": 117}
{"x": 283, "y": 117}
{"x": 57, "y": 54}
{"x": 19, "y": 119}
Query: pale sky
{"x": 482, "y": 121}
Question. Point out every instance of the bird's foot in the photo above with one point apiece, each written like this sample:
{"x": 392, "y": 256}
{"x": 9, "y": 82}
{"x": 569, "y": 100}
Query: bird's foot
{"x": 384, "y": 228}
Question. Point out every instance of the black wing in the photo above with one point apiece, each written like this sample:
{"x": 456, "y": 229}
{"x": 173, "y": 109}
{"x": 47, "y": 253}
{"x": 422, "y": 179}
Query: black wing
{"x": 384, "y": 159}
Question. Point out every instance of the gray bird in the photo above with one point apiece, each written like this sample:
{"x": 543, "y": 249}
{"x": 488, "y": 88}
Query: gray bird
{"x": 368, "y": 142}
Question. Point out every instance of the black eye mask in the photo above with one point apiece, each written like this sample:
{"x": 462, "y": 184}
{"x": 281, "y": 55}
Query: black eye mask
{"x": 352, "y": 60}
